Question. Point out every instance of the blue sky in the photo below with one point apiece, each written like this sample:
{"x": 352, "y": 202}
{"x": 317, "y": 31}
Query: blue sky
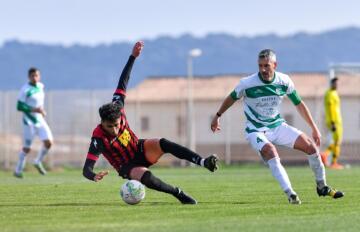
{"x": 104, "y": 21}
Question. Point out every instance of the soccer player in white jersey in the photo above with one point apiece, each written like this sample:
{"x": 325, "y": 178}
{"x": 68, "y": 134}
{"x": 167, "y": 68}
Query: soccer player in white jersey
{"x": 262, "y": 95}
{"x": 31, "y": 104}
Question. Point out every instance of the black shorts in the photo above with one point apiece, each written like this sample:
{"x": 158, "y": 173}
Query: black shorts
{"x": 138, "y": 161}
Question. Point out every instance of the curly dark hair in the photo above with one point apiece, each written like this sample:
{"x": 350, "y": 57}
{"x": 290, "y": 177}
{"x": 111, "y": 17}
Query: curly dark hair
{"x": 110, "y": 112}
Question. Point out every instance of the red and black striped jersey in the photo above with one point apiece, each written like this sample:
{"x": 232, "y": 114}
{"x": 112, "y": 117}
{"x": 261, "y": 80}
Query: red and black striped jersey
{"x": 117, "y": 150}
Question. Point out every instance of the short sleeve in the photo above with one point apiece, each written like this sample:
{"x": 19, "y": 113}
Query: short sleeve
{"x": 238, "y": 92}
{"x": 292, "y": 93}
{"x": 95, "y": 149}
{"x": 22, "y": 95}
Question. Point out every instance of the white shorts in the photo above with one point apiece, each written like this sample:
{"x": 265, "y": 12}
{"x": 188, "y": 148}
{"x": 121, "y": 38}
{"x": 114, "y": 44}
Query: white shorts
{"x": 30, "y": 131}
{"x": 283, "y": 135}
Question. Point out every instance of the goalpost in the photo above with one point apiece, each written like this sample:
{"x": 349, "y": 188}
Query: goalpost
{"x": 352, "y": 69}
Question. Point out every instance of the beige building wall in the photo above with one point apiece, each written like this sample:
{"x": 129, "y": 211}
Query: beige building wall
{"x": 158, "y": 108}
{"x": 207, "y": 99}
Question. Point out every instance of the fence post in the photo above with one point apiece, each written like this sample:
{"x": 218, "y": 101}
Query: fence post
{"x": 228, "y": 139}
{"x": 6, "y": 130}
{"x": 50, "y": 122}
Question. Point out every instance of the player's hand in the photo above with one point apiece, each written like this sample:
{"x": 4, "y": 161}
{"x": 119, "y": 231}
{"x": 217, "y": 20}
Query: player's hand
{"x": 100, "y": 175}
{"x": 333, "y": 127}
{"x": 215, "y": 124}
{"x": 316, "y": 136}
{"x": 40, "y": 111}
{"x": 43, "y": 112}
{"x": 137, "y": 48}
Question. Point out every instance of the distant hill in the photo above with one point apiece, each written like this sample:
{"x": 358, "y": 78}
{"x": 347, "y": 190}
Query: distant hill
{"x": 94, "y": 67}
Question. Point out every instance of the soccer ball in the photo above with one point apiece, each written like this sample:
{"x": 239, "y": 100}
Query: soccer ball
{"x": 132, "y": 192}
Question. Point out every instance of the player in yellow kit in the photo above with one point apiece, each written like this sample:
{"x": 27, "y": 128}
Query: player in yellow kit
{"x": 334, "y": 124}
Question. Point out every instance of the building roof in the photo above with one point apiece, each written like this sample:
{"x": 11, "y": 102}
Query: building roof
{"x": 167, "y": 89}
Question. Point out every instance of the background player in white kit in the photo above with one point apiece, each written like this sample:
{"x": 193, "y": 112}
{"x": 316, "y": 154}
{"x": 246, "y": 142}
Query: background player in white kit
{"x": 262, "y": 94}
{"x": 31, "y": 104}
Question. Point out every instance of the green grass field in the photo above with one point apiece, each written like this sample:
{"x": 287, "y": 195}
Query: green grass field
{"x": 241, "y": 198}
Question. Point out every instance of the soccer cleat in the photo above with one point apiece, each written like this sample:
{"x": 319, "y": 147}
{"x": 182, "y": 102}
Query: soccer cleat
{"x": 211, "y": 163}
{"x": 328, "y": 191}
{"x": 40, "y": 168}
{"x": 336, "y": 166}
{"x": 18, "y": 175}
{"x": 184, "y": 199}
{"x": 294, "y": 199}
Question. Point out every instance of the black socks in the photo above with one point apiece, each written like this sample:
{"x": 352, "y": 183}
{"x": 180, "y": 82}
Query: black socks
{"x": 180, "y": 151}
{"x": 152, "y": 182}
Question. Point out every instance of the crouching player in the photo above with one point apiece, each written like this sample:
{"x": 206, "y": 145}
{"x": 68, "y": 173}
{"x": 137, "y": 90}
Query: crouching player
{"x": 130, "y": 156}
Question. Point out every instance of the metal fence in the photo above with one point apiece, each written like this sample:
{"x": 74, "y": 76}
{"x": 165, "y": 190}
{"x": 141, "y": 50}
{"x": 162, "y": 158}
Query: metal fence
{"x": 72, "y": 115}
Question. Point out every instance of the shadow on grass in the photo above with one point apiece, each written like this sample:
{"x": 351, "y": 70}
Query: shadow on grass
{"x": 60, "y": 204}
{"x": 226, "y": 202}
{"x": 85, "y": 204}
{"x": 152, "y": 203}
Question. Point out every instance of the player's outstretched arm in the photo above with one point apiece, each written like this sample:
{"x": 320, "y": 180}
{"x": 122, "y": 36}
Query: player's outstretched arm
{"x": 120, "y": 92}
{"x": 95, "y": 149}
{"x": 88, "y": 169}
{"x": 89, "y": 174}
{"x": 305, "y": 114}
{"x": 227, "y": 103}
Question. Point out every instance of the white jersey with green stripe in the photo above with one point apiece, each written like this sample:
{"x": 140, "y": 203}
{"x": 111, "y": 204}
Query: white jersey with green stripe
{"x": 33, "y": 97}
{"x": 262, "y": 100}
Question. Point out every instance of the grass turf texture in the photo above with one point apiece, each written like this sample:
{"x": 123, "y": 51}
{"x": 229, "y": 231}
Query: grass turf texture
{"x": 245, "y": 198}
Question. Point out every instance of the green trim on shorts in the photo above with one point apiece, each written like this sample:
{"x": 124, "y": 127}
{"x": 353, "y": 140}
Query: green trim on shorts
{"x": 248, "y": 130}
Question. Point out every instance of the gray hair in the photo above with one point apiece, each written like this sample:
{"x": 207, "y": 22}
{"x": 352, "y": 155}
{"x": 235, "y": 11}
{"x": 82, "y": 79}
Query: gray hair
{"x": 267, "y": 54}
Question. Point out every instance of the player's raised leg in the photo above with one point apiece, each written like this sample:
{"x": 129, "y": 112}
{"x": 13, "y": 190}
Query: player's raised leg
{"x": 305, "y": 144}
{"x": 155, "y": 148}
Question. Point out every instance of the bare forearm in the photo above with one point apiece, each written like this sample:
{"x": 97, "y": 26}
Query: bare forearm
{"x": 306, "y": 115}
{"x": 227, "y": 103}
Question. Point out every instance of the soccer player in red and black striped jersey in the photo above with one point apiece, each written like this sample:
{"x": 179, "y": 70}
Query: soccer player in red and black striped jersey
{"x": 131, "y": 157}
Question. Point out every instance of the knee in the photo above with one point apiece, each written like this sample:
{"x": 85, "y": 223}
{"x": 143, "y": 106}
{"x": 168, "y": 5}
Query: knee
{"x": 140, "y": 174}
{"x": 268, "y": 151}
{"x": 310, "y": 148}
{"x": 26, "y": 150}
{"x": 48, "y": 144}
